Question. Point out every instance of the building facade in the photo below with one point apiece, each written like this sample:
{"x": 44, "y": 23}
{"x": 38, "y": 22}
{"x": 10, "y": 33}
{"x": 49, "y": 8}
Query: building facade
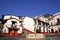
{"x": 15, "y": 25}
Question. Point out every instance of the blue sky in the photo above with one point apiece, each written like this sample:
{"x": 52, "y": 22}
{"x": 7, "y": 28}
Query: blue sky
{"x": 29, "y": 7}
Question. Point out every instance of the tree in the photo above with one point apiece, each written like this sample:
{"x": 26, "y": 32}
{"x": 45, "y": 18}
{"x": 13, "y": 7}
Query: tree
{"x": 47, "y": 15}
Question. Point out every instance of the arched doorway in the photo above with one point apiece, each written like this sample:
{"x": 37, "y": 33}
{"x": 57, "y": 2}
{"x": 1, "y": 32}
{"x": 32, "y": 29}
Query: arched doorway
{"x": 52, "y": 30}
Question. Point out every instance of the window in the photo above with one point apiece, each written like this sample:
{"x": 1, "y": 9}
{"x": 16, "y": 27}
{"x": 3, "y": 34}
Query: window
{"x": 58, "y": 21}
{"x": 39, "y": 22}
{"x": 43, "y": 24}
{"x": 13, "y": 22}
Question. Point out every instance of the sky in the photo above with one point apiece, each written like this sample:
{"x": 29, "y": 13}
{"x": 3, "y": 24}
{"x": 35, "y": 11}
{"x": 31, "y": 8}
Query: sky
{"x": 29, "y": 7}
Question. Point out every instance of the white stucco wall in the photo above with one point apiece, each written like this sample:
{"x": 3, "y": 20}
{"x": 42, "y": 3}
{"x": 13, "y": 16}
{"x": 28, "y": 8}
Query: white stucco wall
{"x": 8, "y": 17}
{"x": 28, "y": 23}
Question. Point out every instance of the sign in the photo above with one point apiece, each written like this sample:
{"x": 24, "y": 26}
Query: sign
{"x": 28, "y": 36}
{"x": 35, "y": 36}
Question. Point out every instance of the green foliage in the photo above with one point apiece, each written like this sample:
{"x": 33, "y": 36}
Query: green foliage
{"x": 47, "y": 15}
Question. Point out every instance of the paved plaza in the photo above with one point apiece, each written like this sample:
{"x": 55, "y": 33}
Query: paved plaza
{"x": 48, "y": 37}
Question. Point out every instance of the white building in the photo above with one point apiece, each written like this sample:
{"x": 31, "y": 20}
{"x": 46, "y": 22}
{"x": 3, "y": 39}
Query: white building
{"x": 38, "y": 24}
{"x": 49, "y": 24}
{"x": 12, "y": 24}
